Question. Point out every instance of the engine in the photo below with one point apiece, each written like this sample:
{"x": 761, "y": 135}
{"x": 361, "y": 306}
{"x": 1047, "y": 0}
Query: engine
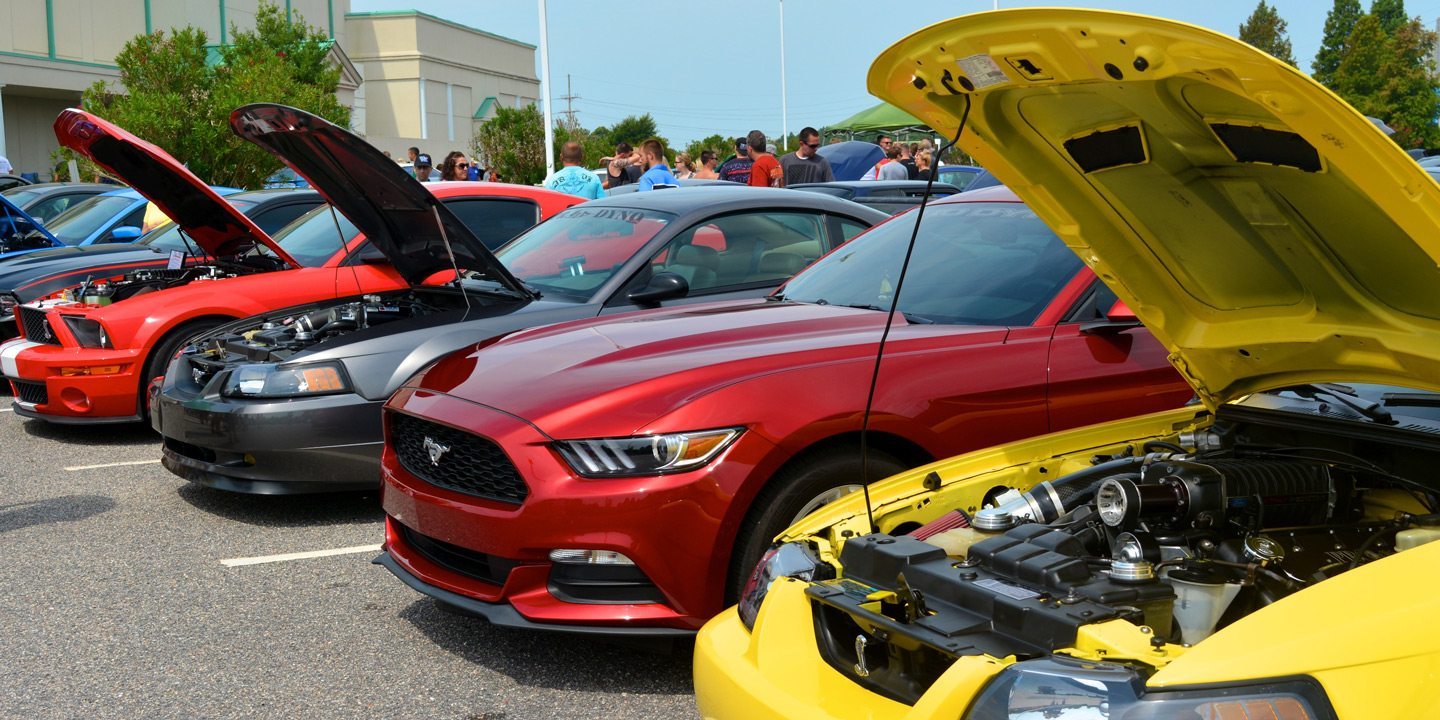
{"x": 278, "y": 338}
{"x": 1181, "y": 543}
{"x": 107, "y": 291}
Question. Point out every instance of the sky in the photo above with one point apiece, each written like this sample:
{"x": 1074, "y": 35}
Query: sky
{"x": 713, "y": 67}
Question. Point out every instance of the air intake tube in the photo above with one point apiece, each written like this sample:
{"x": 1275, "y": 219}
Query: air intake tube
{"x": 1048, "y": 501}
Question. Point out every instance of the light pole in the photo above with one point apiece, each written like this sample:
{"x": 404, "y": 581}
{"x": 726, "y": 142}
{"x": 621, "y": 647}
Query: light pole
{"x": 545, "y": 89}
{"x": 784, "y": 112}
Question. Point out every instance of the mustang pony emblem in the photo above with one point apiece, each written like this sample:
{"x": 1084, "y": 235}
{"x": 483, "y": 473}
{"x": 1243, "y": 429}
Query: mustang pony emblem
{"x": 435, "y": 450}
{"x": 860, "y": 668}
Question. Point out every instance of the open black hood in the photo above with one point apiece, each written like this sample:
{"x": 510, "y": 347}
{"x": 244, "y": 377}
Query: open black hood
{"x": 398, "y": 215}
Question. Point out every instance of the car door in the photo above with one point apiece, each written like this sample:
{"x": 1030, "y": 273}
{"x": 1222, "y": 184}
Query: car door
{"x": 1100, "y": 376}
{"x": 736, "y": 255}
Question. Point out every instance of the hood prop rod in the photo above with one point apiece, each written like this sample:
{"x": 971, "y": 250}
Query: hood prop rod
{"x": 890, "y": 320}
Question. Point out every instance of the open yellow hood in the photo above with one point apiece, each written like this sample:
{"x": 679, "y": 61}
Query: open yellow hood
{"x": 1262, "y": 229}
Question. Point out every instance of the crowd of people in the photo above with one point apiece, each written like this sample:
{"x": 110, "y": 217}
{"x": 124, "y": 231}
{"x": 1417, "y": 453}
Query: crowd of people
{"x": 647, "y": 167}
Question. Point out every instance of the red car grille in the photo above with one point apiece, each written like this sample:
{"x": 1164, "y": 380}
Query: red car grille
{"x": 487, "y": 568}
{"x": 455, "y": 460}
{"x": 36, "y": 326}
{"x": 31, "y": 392}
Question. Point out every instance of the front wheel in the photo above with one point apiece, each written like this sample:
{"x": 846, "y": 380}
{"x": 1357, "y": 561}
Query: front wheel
{"x": 804, "y": 486}
{"x": 165, "y": 350}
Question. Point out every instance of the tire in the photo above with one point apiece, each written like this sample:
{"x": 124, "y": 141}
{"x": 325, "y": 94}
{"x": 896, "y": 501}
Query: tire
{"x": 796, "y": 490}
{"x": 159, "y": 358}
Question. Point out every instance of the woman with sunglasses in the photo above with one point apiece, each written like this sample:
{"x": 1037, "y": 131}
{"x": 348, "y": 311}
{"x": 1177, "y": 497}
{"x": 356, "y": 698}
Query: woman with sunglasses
{"x": 455, "y": 167}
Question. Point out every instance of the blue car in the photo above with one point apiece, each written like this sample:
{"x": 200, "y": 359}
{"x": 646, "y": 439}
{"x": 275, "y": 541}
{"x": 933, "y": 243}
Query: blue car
{"x": 20, "y": 233}
{"x": 958, "y": 175}
{"x": 116, "y": 216}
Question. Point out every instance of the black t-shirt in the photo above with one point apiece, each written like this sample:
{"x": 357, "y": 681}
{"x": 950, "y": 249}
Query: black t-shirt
{"x": 910, "y": 168}
{"x": 629, "y": 175}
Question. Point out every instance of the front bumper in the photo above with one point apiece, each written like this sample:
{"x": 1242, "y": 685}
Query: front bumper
{"x": 270, "y": 447}
{"x": 44, "y": 374}
{"x": 678, "y": 529}
{"x": 777, "y": 671}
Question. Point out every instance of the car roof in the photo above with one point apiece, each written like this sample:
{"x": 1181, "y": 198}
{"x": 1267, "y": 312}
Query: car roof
{"x": 872, "y": 184}
{"x": 56, "y": 186}
{"x": 993, "y": 193}
{"x": 123, "y": 192}
{"x": 265, "y": 193}
{"x": 703, "y": 197}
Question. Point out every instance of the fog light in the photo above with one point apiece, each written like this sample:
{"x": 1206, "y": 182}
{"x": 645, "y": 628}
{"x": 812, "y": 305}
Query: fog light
{"x": 75, "y": 399}
{"x": 590, "y": 557}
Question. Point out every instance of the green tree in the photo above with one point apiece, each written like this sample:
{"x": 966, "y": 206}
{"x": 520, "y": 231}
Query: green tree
{"x": 721, "y": 146}
{"x": 635, "y": 129}
{"x": 1265, "y": 29}
{"x": 1358, "y": 79}
{"x": 1338, "y": 24}
{"x": 1408, "y": 93}
{"x": 1390, "y": 13}
{"x": 179, "y": 98}
{"x": 513, "y": 144}
{"x": 595, "y": 144}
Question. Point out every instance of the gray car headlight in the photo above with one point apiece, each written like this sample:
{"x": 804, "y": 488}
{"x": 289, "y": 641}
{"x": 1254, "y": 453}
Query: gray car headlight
{"x": 645, "y": 454}
{"x": 8, "y": 303}
{"x": 281, "y": 381}
{"x": 792, "y": 560}
{"x": 1066, "y": 689}
{"x": 89, "y": 333}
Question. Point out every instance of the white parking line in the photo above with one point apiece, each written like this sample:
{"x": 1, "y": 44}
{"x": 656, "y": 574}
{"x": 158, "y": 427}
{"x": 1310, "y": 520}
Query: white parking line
{"x": 7, "y": 410}
{"x": 73, "y": 468}
{"x": 237, "y": 562}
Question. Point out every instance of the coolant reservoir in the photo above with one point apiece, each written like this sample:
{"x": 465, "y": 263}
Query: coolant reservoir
{"x": 957, "y": 542}
{"x": 1413, "y": 537}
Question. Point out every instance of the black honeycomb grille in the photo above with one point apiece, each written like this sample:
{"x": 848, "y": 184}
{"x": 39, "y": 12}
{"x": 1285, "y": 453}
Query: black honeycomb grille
{"x": 36, "y": 326}
{"x": 469, "y": 464}
{"x": 31, "y": 392}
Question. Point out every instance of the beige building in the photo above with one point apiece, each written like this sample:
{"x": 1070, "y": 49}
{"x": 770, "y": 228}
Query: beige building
{"x": 409, "y": 78}
{"x": 430, "y": 82}
{"x": 51, "y": 50}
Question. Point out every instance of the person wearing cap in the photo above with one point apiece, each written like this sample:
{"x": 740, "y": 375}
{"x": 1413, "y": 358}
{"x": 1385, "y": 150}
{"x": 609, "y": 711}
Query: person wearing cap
{"x": 422, "y": 167}
{"x": 737, "y": 168}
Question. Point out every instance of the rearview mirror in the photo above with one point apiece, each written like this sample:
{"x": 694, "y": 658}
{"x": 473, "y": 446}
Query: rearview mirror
{"x": 1120, "y": 317}
{"x": 663, "y": 286}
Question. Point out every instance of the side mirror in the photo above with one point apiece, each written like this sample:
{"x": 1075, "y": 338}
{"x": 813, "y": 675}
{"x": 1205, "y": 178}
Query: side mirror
{"x": 373, "y": 256}
{"x": 663, "y": 286}
{"x": 124, "y": 234}
{"x": 1119, "y": 318}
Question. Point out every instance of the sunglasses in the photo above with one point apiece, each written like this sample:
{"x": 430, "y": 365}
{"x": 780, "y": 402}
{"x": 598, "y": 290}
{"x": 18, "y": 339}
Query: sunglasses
{"x": 464, "y": 165}
{"x": 812, "y": 146}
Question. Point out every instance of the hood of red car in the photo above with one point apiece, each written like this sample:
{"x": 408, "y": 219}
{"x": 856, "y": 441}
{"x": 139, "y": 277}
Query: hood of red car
{"x": 398, "y": 215}
{"x": 614, "y": 376}
{"x": 215, "y": 225}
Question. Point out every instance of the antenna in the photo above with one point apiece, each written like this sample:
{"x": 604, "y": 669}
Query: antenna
{"x": 890, "y": 320}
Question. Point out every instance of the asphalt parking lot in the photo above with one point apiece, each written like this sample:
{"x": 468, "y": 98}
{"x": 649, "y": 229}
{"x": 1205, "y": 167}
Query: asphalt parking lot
{"x": 116, "y": 604}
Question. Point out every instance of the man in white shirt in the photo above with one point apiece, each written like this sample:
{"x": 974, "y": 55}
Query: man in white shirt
{"x": 5, "y": 168}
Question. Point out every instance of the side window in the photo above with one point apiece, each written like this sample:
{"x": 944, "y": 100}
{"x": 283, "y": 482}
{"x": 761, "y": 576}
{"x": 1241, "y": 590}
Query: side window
{"x": 743, "y": 249}
{"x": 52, "y": 206}
{"x": 495, "y": 221}
{"x": 275, "y": 218}
{"x": 1093, "y": 305}
{"x": 849, "y": 229}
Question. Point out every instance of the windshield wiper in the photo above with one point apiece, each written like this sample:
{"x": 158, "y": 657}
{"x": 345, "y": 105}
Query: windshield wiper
{"x": 493, "y": 288}
{"x": 1410, "y": 399}
{"x": 775, "y": 298}
{"x": 911, "y": 318}
{"x": 1345, "y": 396}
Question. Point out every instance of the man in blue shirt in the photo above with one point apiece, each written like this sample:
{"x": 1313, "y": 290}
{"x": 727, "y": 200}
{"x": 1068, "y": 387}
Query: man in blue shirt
{"x": 657, "y": 173}
{"x": 573, "y": 178}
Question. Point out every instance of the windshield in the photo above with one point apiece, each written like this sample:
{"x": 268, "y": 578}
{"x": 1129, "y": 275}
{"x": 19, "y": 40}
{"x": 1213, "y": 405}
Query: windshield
{"x": 575, "y": 252}
{"x": 80, "y": 222}
{"x": 168, "y": 236}
{"x": 1362, "y": 402}
{"x": 974, "y": 264}
{"x": 312, "y": 240}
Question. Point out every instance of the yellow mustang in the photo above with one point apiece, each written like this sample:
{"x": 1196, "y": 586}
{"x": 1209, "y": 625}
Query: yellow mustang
{"x": 1260, "y": 554}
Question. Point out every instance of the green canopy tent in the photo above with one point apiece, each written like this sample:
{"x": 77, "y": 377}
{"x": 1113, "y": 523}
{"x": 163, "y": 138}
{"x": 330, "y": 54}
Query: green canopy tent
{"x": 883, "y": 118}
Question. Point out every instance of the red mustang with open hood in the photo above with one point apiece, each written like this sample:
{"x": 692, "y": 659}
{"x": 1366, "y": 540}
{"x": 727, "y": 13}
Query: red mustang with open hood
{"x": 87, "y": 356}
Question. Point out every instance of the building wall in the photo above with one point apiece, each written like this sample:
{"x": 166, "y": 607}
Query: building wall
{"x": 39, "y": 77}
{"x": 425, "y": 78}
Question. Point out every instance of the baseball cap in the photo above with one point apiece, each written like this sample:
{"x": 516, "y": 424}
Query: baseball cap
{"x": 422, "y": 159}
